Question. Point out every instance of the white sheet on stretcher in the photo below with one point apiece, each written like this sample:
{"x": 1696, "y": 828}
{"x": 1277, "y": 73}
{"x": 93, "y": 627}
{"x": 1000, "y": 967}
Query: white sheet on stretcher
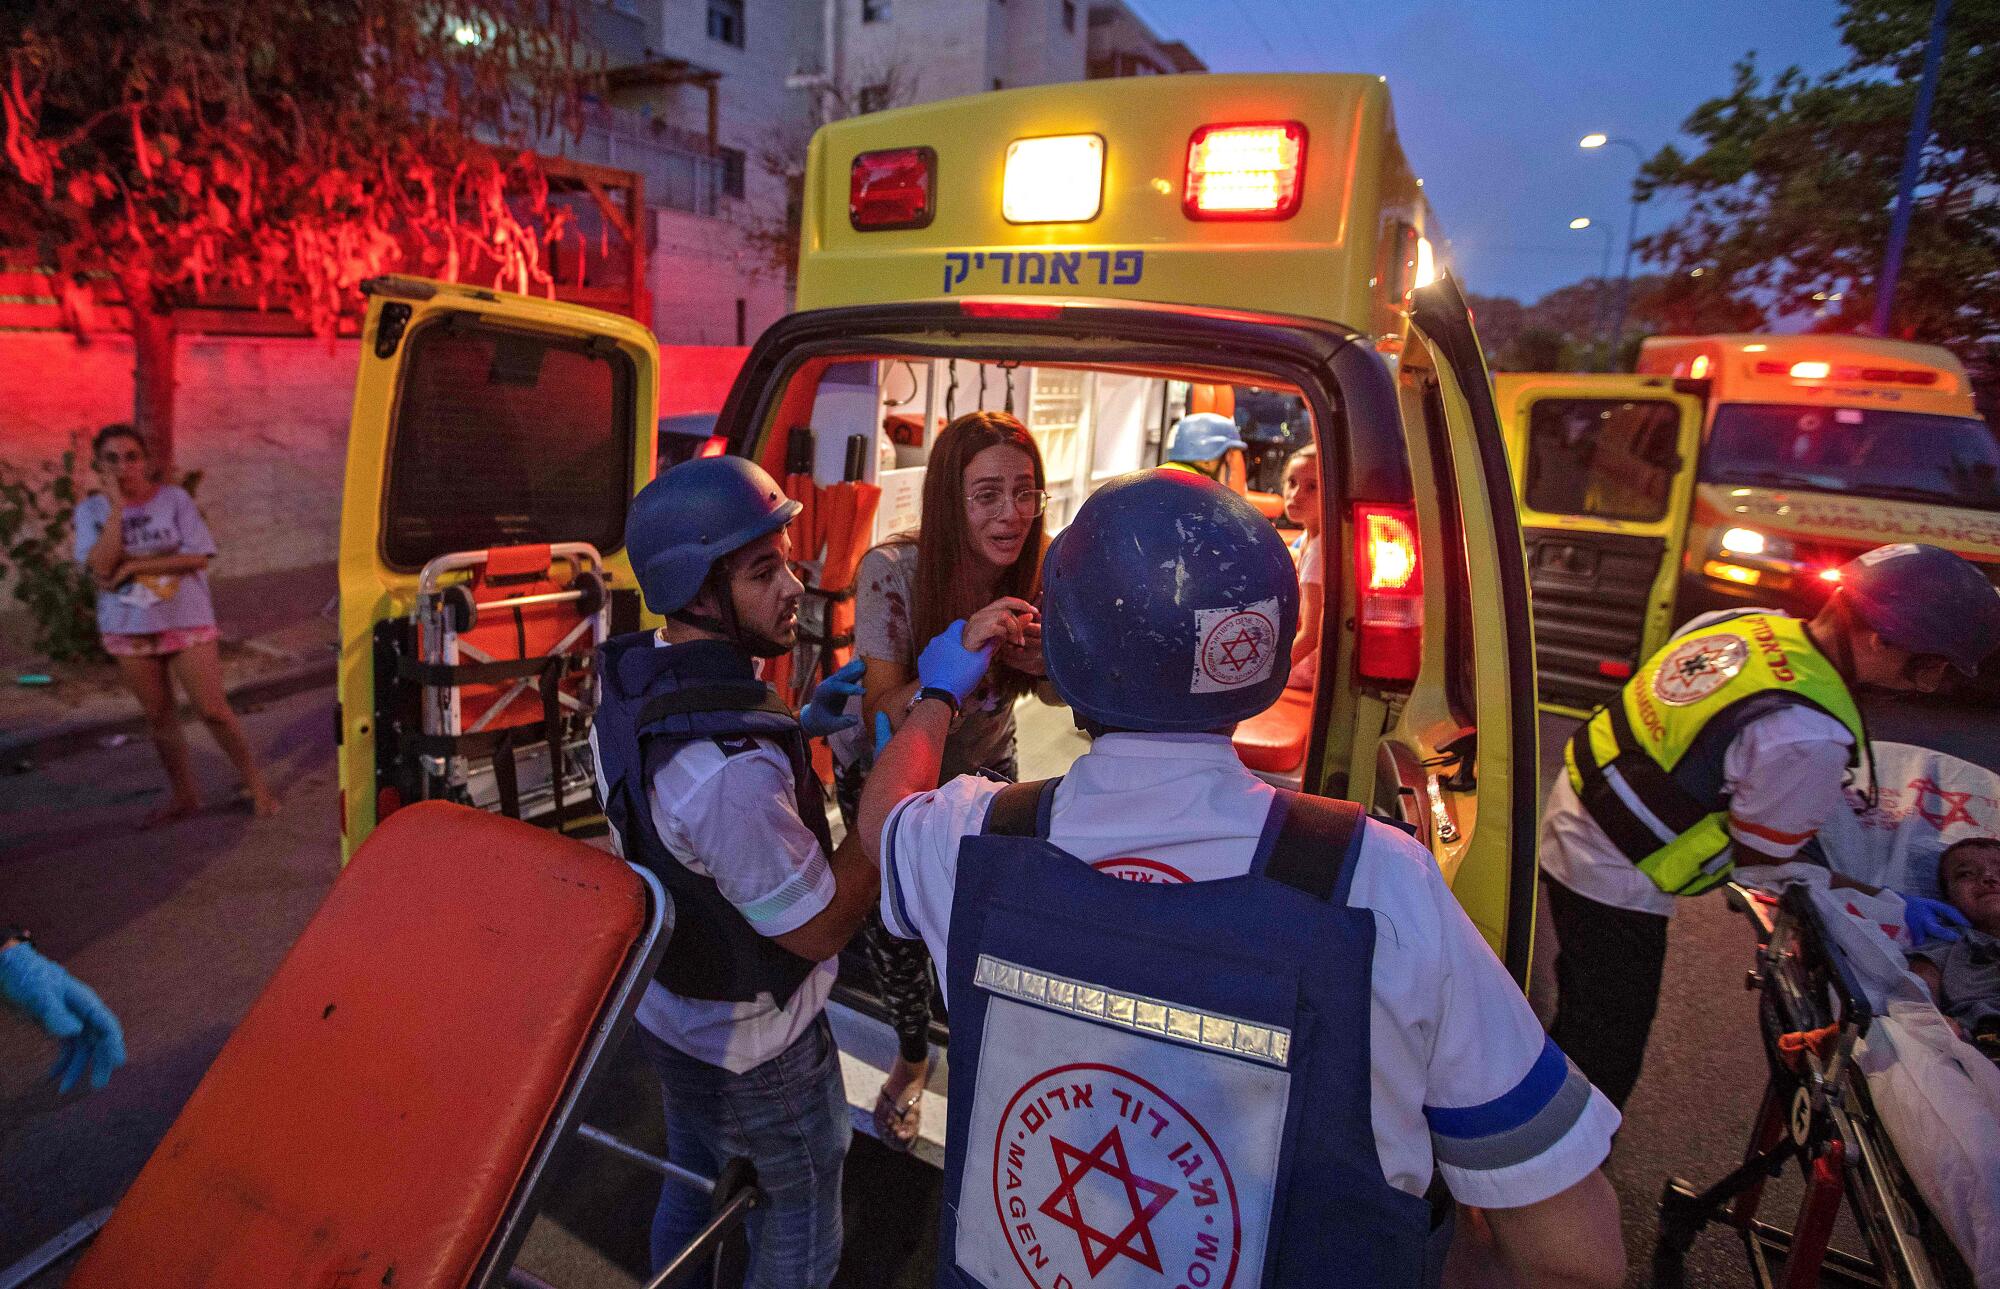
{"x": 1937, "y": 1098}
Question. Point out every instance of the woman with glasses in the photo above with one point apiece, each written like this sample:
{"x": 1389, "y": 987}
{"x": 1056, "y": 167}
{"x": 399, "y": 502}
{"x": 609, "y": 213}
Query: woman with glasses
{"x": 977, "y": 552}
{"x": 145, "y": 546}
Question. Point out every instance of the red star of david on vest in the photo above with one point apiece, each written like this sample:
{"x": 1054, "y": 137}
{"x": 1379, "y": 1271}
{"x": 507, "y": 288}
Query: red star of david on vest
{"x": 1099, "y": 1248}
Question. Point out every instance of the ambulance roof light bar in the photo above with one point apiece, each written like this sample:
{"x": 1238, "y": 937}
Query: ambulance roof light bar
{"x": 1253, "y": 170}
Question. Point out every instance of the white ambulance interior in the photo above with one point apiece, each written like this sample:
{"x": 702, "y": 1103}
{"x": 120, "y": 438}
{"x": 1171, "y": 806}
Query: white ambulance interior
{"x": 1091, "y": 425}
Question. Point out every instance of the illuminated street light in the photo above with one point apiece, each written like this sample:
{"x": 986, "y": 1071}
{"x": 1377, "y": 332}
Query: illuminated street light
{"x": 1590, "y": 142}
{"x": 1603, "y": 276}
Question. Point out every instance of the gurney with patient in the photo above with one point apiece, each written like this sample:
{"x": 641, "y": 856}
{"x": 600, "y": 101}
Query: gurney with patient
{"x": 1883, "y": 1088}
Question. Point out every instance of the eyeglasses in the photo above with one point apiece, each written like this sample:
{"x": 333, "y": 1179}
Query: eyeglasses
{"x": 1028, "y": 502}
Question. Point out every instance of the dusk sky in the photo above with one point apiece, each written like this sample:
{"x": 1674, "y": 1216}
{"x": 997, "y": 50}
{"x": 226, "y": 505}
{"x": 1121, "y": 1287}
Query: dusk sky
{"x": 1491, "y": 97}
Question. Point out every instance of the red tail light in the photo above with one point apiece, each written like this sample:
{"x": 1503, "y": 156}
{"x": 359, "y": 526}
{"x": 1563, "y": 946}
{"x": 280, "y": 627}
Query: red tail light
{"x": 1008, "y": 309}
{"x": 1245, "y": 171}
{"x": 1389, "y": 580}
{"x": 712, "y": 446}
{"x": 896, "y": 188}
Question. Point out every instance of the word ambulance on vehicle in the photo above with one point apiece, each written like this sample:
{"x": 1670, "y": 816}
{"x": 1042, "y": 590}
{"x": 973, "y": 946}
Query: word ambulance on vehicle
{"x": 1097, "y": 258}
{"x": 1732, "y": 471}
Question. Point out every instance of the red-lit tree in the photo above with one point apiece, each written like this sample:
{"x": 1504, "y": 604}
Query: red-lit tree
{"x": 282, "y": 150}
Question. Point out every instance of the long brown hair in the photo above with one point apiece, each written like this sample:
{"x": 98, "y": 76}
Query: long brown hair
{"x": 941, "y": 591}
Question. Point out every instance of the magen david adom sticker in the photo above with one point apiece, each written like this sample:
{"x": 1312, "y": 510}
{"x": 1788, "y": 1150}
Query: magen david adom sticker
{"x": 1234, "y": 647}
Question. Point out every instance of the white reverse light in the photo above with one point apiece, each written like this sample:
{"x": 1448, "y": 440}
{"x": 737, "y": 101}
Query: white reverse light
{"x": 1057, "y": 179}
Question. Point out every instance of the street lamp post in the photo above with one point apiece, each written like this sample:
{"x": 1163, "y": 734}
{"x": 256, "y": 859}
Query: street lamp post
{"x": 1603, "y": 277}
{"x": 1593, "y": 141}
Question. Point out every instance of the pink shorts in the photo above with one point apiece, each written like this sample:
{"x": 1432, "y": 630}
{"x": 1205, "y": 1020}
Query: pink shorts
{"x": 158, "y": 644}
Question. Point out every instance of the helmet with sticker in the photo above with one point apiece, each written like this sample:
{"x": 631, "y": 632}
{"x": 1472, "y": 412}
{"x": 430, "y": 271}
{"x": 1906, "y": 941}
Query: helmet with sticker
{"x": 1924, "y": 599}
{"x": 1169, "y": 604}
{"x": 1202, "y": 437}
{"x": 681, "y": 523}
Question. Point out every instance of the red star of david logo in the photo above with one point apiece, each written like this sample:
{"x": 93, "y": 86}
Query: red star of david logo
{"x": 1956, "y": 805}
{"x": 1240, "y": 650}
{"x": 1074, "y": 1166}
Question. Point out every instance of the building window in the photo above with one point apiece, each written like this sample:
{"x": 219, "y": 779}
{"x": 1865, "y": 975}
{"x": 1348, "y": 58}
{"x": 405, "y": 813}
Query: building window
{"x": 1069, "y": 15}
{"x": 874, "y": 10}
{"x": 732, "y": 171}
{"x": 874, "y": 98}
{"x": 725, "y": 21}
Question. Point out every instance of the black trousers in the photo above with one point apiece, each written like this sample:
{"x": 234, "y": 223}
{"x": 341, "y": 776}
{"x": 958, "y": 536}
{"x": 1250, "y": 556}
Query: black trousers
{"x": 1608, "y": 967}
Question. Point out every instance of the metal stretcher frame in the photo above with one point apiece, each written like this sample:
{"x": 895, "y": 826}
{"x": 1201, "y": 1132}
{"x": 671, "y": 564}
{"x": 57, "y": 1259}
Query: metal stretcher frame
{"x": 439, "y": 636}
{"x": 1815, "y": 1111}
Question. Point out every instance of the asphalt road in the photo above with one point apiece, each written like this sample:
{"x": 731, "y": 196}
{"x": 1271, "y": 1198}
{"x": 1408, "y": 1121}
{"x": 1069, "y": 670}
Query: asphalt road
{"x": 180, "y": 929}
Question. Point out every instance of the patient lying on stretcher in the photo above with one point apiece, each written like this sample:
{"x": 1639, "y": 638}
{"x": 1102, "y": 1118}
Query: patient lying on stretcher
{"x": 1963, "y": 975}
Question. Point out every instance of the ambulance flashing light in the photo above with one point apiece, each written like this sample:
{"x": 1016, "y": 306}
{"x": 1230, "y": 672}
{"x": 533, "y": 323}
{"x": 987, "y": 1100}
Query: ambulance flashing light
{"x": 893, "y": 188}
{"x": 1057, "y": 179}
{"x": 1812, "y": 369}
{"x": 1391, "y": 579}
{"x": 1249, "y": 171}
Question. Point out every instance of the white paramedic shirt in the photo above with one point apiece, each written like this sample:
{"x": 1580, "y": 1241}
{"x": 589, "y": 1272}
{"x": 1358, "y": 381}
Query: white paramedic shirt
{"x": 1783, "y": 775}
{"x": 731, "y": 815}
{"x": 1448, "y": 1028}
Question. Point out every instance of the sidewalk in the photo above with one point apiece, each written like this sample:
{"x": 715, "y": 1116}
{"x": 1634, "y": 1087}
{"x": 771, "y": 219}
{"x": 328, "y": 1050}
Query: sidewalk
{"x": 275, "y": 641}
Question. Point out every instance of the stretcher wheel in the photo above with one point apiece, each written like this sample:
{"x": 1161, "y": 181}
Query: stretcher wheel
{"x": 589, "y": 588}
{"x": 458, "y": 602}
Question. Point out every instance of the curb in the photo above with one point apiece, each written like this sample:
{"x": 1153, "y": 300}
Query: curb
{"x": 52, "y": 742}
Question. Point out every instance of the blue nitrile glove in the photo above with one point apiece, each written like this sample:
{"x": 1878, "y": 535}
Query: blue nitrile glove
{"x": 69, "y": 1011}
{"x": 827, "y": 712}
{"x": 947, "y": 664}
{"x": 882, "y": 732}
{"x": 1929, "y": 919}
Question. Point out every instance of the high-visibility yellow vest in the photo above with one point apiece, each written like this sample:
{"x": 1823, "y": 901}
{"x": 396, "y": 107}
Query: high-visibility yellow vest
{"x": 1647, "y": 766}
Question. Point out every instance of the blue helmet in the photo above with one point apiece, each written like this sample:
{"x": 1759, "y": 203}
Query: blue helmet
{"x": 681, "y": 523}
{"x": 1203, "y": 436}
{"x": 1924, "y": 599}
{"x": 1168, "y": 604}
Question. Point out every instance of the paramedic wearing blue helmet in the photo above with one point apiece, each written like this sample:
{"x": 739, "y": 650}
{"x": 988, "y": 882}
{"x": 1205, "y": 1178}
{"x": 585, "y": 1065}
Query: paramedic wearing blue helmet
{"x": 1205, "y": 1031}
{"x": 704, "y": 776}
{"x": 1725, "y": 754}
{"x": 1198, "y": 443}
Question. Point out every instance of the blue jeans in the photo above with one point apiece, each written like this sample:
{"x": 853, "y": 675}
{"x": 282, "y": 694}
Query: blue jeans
{"x": 789, "y": 1116}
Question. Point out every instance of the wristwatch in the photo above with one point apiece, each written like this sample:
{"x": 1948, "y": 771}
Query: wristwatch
{"x": 944, "y": 696}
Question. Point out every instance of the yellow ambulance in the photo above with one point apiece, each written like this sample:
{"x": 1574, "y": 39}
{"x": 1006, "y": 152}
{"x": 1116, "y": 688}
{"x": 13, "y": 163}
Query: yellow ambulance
{"x": 1095, "y": 257}
{"x": 1732, "y": 471}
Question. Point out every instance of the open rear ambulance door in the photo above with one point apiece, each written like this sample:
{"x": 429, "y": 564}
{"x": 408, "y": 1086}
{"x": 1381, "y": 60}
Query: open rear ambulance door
{"x": 1464, "y": 741}
{"x": 1603, "y": 466}
{"x": 482, "y": 421}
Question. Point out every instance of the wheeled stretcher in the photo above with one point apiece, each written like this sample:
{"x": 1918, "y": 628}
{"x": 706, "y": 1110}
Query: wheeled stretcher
{"x": 1817, "y": 1110}
{"x": 387, "y": 1112}
{"x": 501, "y": 651}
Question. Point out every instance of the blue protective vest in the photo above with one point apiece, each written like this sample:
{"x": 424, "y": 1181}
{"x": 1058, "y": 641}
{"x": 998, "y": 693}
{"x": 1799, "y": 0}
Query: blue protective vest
{"x": 654, "y": 701}
{"x": 1167, "y": 1085}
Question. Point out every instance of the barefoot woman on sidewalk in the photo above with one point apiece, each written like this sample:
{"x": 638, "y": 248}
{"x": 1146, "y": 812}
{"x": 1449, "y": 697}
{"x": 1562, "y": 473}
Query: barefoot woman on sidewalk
{"x": 146, "y": 547}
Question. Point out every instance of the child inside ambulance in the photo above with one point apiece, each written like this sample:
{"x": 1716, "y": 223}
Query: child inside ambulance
{"x": 1963, "y": 975}
{"x": 1301, "y": 493}
{"x": 977, "y": 552}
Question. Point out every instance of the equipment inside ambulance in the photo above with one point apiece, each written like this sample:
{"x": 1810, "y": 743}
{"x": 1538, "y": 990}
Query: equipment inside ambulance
{"x": 1729, "y": 472}
{"x": 1098, "y": 258}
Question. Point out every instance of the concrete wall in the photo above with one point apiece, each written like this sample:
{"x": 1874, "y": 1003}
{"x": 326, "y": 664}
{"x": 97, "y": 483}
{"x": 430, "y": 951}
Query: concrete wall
{"x": 264, "y": 420}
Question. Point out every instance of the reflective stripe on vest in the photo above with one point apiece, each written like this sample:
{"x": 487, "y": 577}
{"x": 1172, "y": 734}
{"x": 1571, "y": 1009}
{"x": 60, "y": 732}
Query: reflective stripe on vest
{"x": 1630, "y": 764}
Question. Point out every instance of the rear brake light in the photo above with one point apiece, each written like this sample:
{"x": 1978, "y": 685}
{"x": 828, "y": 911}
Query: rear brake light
{"x": 712, "y": 446}
{"x": 1245, "y": 171}
{"x": 1390, "y": 585}
{"x": 895, "y": 188}
{"x": 1008, "y": 309}
{"x": 1057, "y": 179}
{"x": 1614, "y": 668}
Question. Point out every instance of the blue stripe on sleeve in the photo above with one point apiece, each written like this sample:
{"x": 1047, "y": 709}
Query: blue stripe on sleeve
{"x": 898, "y": 909}
{"x": 1510, "y": 1109}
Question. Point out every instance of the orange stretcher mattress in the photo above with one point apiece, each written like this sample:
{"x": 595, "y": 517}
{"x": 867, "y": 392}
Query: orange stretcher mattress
{"x": 369, "y": 1121}
{"x": 1274, "y": 740}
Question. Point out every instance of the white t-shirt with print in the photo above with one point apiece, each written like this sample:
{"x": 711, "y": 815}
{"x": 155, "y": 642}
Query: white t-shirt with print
{"x": 1448, "y": 1028}
{"x": 1783, "y": 775}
